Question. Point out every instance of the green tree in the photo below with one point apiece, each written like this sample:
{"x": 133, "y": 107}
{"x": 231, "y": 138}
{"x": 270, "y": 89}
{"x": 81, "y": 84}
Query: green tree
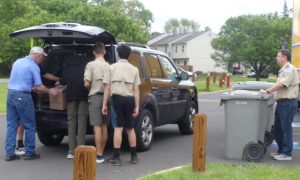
{"x": 127, "y": 20}
{"x": 14, "y": 8}
{"x": 252, "y": 40}
{"x": 11, "y": 48}
{"x": 175, "y": 26}
{"x": 57, "y": 6}
{"x": 132, "y": 8}
{"x": 116, "y": 22}
{"x": 137, "y": 12}
{"x": 172, "y": 26}
{"x": 286, "y": 11}
{"x": 185, "y": 25}
{"x": 194, "y": 26}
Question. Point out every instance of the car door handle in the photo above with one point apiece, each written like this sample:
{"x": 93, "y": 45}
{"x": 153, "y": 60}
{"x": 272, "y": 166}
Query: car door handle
{"x": 154, "y": 88}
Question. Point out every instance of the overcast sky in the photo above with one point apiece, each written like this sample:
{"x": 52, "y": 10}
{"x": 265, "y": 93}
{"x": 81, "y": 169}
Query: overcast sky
{"x": 212, "y": 13}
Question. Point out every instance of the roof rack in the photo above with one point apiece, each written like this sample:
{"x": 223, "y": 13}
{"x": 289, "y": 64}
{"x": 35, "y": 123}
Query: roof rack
{"x": 134, "y": 44}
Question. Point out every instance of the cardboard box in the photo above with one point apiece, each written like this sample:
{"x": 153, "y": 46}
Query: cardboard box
{"x": 58, "y": 102}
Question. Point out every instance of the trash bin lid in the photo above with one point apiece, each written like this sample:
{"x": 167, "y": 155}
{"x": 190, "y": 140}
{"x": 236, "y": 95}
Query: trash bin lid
{"x": 244, "y": 94}
{"x": 252, "y": 85}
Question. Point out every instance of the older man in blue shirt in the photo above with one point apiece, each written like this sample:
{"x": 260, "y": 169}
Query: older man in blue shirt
{"x": 24, "y": 78}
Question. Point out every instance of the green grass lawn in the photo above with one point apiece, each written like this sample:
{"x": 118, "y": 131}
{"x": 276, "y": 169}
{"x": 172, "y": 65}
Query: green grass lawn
{"x": 217, "y": 171}
{"x": 3, "y": 93}
{"x": 201, "y": 82}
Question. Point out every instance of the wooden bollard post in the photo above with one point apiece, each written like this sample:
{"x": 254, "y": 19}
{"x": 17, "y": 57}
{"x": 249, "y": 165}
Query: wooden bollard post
{"x": 199, "y": 142}
{"x": 85, "y": 163}
{"x": 220, "y": 82}
{"x": 214, "y": 78}
{"x": 227, "y": 80}
{"x": 207, "y": 82}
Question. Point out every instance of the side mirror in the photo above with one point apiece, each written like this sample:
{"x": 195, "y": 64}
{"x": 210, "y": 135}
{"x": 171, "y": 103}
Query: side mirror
{"x": 184, "y": 76}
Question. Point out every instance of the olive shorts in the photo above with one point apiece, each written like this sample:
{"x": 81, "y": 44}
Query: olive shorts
{"x": 95, "y": 110}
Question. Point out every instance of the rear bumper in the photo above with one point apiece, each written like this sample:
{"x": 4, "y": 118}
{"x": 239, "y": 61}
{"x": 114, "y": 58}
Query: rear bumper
{"x": 52, "y": 121}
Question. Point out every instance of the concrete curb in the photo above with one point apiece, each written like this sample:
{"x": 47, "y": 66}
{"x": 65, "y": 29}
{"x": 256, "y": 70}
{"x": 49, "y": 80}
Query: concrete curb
{"x": 167, "y": 170}
{"x": 203, "y": 93}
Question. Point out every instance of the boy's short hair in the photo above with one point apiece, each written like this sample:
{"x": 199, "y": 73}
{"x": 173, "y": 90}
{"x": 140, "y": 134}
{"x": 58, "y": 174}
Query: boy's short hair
{"x": 99, "y": 48}
{"x": 123, "y": 51}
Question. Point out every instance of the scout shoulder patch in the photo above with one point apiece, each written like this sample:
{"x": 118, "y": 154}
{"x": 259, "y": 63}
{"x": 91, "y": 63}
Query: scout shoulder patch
{"x": 287, "y": 69}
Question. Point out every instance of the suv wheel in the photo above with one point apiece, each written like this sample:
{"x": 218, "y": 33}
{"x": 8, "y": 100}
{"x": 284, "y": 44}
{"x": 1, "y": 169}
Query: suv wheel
{"x": 144, "y": 130}
{"x": 186, "y": 125}
{"x": 49, "y": 139}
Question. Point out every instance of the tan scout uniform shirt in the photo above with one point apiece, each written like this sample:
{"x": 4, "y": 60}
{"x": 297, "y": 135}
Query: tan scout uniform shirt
{"x": 288, "y": 76}
{"x": 97, "y": 72}
{"x": 123, "y": 77}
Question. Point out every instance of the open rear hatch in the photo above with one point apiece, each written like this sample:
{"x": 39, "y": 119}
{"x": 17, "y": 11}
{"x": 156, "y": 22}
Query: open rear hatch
{"x": 66, "y": 33}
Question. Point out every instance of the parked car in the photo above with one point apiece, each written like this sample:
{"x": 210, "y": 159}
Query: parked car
{"x": 166, "y": 95}
{"x": 188, "y": 72}
{"x": 237, "y": 71}
{"x": 263, "y": 74}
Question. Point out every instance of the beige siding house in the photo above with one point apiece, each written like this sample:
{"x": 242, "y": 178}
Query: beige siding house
{"x": 188, "y": 49}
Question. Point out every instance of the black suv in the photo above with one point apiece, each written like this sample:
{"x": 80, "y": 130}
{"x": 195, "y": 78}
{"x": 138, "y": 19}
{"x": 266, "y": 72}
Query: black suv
{"x": 166, "y": 97}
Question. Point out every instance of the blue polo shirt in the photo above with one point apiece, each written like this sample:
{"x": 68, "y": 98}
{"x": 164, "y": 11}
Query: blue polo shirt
{"x": 25, "y": 74}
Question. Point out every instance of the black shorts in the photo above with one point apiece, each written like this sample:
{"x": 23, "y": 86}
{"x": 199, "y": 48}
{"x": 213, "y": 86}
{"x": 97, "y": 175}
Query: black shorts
{"x": 124, "y": 106}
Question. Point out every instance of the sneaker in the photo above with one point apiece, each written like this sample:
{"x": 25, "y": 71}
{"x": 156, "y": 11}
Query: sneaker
{"x": 99, "y": 159}
{"x": 11, "y": 158}
{"x": 32, "y": 157}
{"x": 134, "y": 160}
{"x": 20, "y": 151}
{"x": 272, "y": 154}
{"x": 70, "y": 155}
{"x": 282, "y": 157}
{"x": 114, "y": 161}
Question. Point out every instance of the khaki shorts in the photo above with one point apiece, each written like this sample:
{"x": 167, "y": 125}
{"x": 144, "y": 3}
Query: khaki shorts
{"x": 95, "y": 110}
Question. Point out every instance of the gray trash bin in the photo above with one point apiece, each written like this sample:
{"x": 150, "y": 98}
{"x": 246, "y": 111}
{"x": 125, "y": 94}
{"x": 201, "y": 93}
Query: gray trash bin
{"x": 256, "y": 86}
{"x": 252, "y": 85}
{"x": 245, "y": 122}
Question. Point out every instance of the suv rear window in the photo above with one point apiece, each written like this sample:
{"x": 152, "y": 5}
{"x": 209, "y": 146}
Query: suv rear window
{"x": 154, "y": 66}
{"x": 134, "y": 59}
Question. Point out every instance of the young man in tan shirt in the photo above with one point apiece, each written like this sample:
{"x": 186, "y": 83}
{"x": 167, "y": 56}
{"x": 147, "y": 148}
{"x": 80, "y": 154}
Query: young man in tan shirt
{"x": 125, "y": 83}
{"x": 97, "y": 81}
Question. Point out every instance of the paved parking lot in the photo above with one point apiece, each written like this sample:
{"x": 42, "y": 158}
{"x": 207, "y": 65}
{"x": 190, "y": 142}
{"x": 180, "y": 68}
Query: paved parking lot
{"x": 170, "y": 149}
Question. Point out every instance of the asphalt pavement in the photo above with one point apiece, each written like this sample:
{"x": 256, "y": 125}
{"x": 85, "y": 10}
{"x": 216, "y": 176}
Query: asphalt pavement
{"x": 169, "y": 149}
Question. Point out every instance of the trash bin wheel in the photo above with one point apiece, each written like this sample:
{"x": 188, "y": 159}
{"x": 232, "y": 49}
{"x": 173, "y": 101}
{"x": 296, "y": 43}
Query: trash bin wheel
{"x": 269, "y": 137}
{"x": 263, "y": 145}
{"x": 253, "y": 152}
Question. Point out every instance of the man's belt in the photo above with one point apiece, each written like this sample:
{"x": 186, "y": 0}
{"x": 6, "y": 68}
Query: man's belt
{"x": 97, "y": 93}
{"x": 285, "y": 100}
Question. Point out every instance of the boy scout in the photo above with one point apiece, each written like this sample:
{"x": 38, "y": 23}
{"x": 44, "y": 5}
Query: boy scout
{"x": 125, "y": 98}
{"x": 97, "y": 80}
{"x": 287, "y": 89}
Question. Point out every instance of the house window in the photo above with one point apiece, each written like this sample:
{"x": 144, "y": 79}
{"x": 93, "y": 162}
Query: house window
{"x": 166, "y": 48}
{"x": 182, "y": 48}
{"x": 176, "y": 48}
{"x": 185, "y": 63}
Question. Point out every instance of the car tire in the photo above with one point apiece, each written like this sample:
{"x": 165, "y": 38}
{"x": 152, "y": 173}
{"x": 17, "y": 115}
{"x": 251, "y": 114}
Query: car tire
{"x": 144, "y": 130}
{"x": 186, "y": 124}
{"x": 49, "y": 139}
